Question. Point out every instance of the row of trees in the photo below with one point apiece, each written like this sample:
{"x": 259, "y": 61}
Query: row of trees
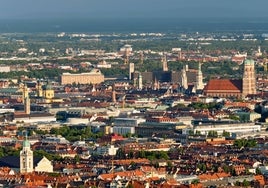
{"x": 245, "y": 143}
{"x": 11, "y": 151}
{"x": 151, "y": 155}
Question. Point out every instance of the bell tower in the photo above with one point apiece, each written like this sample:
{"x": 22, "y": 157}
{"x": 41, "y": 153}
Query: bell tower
{"x": 26, "y": 157}
{"x": 199, "y": 78}
{"x": 184, "y": 80}
{"x": 164, "y": 62}
{"x": 249, "y": 79}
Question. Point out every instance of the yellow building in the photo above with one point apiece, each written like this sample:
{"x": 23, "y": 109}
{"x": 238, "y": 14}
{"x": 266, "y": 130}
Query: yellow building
{"x": 92, "y": 77}
{"x": 48, "y": 91}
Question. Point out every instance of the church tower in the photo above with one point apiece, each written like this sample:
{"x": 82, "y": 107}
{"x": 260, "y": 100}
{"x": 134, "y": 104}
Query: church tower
{"x": 131, "y": 69}
{"x": 25, "y": 92}
{"x": 156, "y": 85}
{"x": 26, "y": 99}
{"x": 140, "y": 82}
{"x": 199, "y": 78}
{"x": 249, "y": 79}
{"x": 26, "y": 157}
{"x": 39, "y": 89}
{"x": 164, "y": 63}
{"x": 184, "y": 81}
{"x": 27, "y": 105}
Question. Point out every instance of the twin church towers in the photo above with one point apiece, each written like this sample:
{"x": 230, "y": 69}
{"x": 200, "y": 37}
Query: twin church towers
{"x": 192, "y": 80}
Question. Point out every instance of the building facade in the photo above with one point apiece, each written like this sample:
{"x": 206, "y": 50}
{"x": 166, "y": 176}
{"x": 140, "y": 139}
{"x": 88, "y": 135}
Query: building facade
{"x": 93, "y": 77}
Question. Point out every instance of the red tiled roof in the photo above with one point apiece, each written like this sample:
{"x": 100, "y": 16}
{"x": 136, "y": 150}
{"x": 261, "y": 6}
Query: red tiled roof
{"x": 223, "y": 85}
{"x": 129, "y": 174}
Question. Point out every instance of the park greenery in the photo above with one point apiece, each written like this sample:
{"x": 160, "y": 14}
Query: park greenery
{"x": 245, "y": 143}
{"x": 11, "y": 151}
{"x": 75, "y": 134}
{"x": 151, "y": 155}
{"x": 203, "y": 106}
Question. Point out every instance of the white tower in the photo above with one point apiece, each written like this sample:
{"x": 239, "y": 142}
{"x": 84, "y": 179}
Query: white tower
{"x": 164, "y": 63}
{"x": 140, "y": 81}
{"x": 156, "y": 84}
{"x": 184, "y": 81}
{"x": 199, "y": 78}
{"x": 26, "y": 157}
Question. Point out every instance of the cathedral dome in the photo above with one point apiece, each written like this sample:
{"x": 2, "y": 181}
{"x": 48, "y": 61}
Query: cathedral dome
{"x": 47, "y": 87}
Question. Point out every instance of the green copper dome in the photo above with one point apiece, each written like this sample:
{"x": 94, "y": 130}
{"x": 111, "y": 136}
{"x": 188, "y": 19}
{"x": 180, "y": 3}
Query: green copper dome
{"x": 249, "y": 62}
{"x": 48, "y": 86}
{"x": 26, "y": 143}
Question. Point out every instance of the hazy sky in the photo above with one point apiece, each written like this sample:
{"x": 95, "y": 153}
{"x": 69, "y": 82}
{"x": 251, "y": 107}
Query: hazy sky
{"x": 25, "y": 9}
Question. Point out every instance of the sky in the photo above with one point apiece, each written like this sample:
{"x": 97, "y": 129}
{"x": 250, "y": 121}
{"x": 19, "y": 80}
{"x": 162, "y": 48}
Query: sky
{"x": 114, "y": 9}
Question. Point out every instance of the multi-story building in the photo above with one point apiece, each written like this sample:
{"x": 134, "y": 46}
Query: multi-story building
{"x": 92, "y": 77}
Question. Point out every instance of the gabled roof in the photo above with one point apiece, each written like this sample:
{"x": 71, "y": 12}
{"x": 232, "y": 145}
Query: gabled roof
{"x": 224, "y": 85}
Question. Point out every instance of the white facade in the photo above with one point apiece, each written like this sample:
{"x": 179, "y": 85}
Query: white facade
{"x": 75, "y": 121}
{"x": 44, "y": 165}
{"x": 54, "y": 139}
{"x": 123, "y": 130}
{"x": 32, "y": 119}
{"x": 128, "y": 122}
{"x": 107, "y": 150}
{"x": 232, "y": 128}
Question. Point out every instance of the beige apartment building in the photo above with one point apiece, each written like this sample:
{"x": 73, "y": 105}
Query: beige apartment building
{"x": 92, "y": 77}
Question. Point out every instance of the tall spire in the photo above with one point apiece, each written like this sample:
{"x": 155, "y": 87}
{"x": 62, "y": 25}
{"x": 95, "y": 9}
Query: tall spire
{"x": 199, "y": 78}
{"x": 140, "y": 81}
{"x": 164, "y": 62}
{"x": 184, "y": 80}
{"x": 25, "y": 92}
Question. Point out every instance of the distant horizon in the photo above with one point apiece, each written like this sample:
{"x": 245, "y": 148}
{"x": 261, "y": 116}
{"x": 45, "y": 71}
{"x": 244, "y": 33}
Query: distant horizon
{"x": 68, "y": 9}
{"x": 103, "y": 25}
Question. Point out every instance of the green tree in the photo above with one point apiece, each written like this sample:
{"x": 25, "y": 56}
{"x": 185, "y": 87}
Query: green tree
{"x": 245, "y": 143}
{"x": 195, "y": 182}
{"x": 213, "y": 134}
{"x": 258, "y": 171}
{"x": 245, "y": 183}
{"x": 226, "y": 134}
